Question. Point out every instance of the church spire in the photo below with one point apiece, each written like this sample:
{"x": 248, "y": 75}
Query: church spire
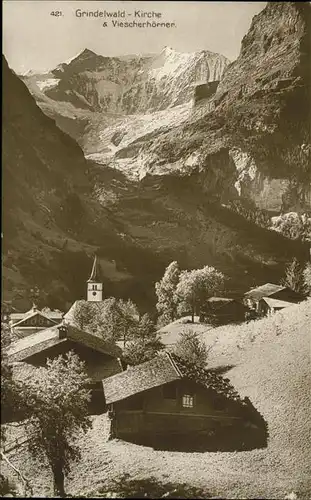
{"x": 94, "y": 274}
{"x": 94, "y": 285}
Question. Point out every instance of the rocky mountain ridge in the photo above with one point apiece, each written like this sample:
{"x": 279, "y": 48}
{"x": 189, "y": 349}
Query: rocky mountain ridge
{"x": 259, "y": 124}
{"x": 129, "y": 84}
{"x": 250, "y": 109}
{"x": 59, "y": 209}
{"x": 100, "y": 101}
{"x": 154, "y": 182}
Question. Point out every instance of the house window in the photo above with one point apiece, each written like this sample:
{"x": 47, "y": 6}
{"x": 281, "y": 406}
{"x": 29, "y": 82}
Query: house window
{"x": 169, "y": 391}
{"x": 187, "y": 401}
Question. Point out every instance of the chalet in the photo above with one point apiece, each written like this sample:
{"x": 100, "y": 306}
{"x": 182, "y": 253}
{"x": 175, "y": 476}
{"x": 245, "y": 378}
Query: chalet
{"x": 33, "y": 321}
{"x": 221, "y": 311}
{"x": 268, "y": 305}
{"x": 101, "y": 358}
{"x": 166, "y": 401}
{"x": 254, "y": 297}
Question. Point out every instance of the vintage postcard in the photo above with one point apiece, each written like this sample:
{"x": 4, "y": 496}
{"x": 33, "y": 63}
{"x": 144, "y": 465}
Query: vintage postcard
{"x": 156, "y": 263}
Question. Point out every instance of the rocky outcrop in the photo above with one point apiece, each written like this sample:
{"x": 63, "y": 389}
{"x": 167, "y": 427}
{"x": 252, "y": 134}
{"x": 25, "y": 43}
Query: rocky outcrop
{"x": 205, "y": 91}
{"x": 273, "y": 58}
{"x": 252, "y": 114}
{"x": 260, "y": 115}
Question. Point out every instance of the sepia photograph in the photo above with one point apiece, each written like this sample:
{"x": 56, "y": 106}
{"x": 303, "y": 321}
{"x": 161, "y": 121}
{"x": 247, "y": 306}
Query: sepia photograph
{"x": 156, "y": 249}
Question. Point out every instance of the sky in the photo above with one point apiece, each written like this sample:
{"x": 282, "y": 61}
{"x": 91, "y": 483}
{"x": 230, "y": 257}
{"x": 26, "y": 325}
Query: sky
{"x": 33, "y": 39}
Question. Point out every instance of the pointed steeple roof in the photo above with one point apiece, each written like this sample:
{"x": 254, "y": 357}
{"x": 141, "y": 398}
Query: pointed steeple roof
{"x": 95, "y": 274}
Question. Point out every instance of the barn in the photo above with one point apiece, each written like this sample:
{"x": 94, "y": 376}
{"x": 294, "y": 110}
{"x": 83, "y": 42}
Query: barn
{"x": 222, "y": 311}
{"x": 102, "y": 359}
{"x": 256, "y": 298}
{"x": 33, "y": 321}
{"x": 164, "y": 402}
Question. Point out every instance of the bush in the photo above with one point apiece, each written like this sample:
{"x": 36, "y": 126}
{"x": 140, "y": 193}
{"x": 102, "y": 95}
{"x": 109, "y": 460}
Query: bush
{"x": 150, "y": 488}
{"x": 191, "y": 349}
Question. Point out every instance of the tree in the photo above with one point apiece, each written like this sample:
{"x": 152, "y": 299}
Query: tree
{"x": 11, "y": 391}
{"x": 115, "y": 319}
{"x": 196, "y": 286}
{"x": 12, "y": 403}
{"x": 141, "y": 350}
{"x": 145, "y": 342}
{"x": 191, "y": 349}
{"x": 166, "y": 293}
{"x": 57, "y": 399}
{"x": 84, "y": 316}
{"x": 146, "y": 329}
{"x": 128, "y": 320}
{"x": 294, "y": 277}
{"x": 307, "y": 278}
{"x": 119, "y": 320}
{"x": 292, "y": 225}
{"x": 7, "y": 387}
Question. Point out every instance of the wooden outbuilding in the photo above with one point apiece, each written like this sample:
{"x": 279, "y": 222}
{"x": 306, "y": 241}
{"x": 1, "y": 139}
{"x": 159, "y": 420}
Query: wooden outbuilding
{"x": 222, "y": 311}
{"x": 166, "y": 401}
{"x": 254, "y": 298}
{"x": 102, "y": 359}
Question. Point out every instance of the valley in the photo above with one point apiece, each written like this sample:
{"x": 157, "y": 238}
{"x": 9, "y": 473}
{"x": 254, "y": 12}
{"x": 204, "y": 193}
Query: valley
{"x": 165, "y": 149}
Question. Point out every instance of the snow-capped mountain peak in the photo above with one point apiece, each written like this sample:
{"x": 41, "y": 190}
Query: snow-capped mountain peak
{"x": 137, "y": 84}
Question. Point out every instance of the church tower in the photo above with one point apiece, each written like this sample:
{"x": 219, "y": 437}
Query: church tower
{"x": 94, "y": 286}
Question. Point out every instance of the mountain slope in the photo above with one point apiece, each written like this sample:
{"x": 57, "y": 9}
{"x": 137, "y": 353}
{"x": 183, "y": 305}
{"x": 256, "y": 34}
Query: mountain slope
{"x": 271, "y": 364}
{"x": 260, "y": 124}
{"x": 91, "y": 93}
{"x": 256, "y": 119}
{"x": 51, "y": 223}
{"x": 127, "y": 85}
{"x": 59, "y": 209}
{"x": 177, "y": 201}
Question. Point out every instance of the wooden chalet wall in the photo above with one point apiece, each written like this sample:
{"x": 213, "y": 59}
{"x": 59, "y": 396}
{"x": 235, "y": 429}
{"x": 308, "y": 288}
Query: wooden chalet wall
{"x": 151, "y": 413}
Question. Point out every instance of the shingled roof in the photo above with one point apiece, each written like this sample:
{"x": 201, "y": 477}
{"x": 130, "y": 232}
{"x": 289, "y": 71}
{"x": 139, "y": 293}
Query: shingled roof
{"x": 17, "y": 318}
{"x": 215, "y": 303}
{"x": 44, "y": 339}
{"x": 162, "y": 369}
{"x": 264, "y": 291}
{"x": 279, "y": 304}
